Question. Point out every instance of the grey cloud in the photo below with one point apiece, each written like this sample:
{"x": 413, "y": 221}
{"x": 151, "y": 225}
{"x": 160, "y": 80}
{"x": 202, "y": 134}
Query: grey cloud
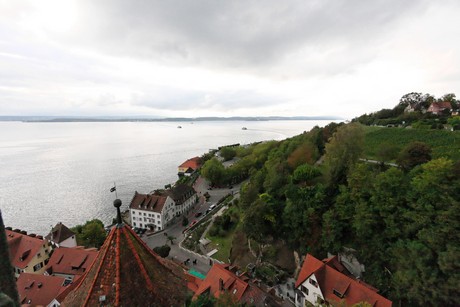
{"x": 235, "y": 35}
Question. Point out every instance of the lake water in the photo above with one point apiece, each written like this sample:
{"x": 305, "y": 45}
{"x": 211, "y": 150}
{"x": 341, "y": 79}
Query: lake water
{"x": 62, "y": 172}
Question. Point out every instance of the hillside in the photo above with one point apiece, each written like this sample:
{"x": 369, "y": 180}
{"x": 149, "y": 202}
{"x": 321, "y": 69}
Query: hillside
{"x": 402, "y": 223}
{"x": 443, "y": 143}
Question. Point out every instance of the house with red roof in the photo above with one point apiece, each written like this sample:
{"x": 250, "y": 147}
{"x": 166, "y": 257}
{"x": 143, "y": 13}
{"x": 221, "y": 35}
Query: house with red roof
{"x": 62, "y": 236}
{"x": 328, "y": 281}
{"x": 223, "y": 278}
{"x": 438, "y": 107}
{"x": 151, "y": 211}
{"x": 39, "y": 290}
{"x": 189, "y": 167}
{"x": 28, "y": 253}
{"x": 70, "y": 263}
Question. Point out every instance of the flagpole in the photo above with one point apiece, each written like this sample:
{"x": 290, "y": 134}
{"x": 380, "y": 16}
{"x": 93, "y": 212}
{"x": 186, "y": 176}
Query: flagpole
{"x": 115, "y": 185}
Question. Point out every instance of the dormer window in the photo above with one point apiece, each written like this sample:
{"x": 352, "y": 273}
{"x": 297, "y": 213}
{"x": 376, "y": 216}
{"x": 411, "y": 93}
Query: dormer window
{"x": 313, "y": 282}
{"x": 337, "y": 293}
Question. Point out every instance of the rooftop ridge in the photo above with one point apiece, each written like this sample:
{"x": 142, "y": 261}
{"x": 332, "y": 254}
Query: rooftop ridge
{"x": 118, "y": 270}
{"x": 139, "y": 262}
{"x": 98, "y": 269}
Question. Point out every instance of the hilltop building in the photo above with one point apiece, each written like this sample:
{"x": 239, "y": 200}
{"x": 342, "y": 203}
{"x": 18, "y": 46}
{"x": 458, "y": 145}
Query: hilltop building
{"x": 438, "y": 107}
{"x": 189, "y": 167}
{"x": 28, "y": 253}
{"x": 328, "y": 281}
{"x": 127, "y": 273}
{"x": 61, "y": 236}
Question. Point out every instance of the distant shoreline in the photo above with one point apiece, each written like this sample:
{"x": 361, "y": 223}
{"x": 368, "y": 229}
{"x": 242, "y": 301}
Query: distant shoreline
{"x": 64, "y": 119}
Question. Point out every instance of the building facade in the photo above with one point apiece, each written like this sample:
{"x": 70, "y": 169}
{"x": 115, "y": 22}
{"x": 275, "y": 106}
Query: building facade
{"x": 28, "y": 253}
{"x": 151, "y": 211}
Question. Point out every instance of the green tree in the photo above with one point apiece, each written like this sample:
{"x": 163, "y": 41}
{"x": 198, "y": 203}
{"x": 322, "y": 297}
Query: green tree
{"x": 414, "y": 154}
{"x": 305, "y": 173}
{"x": 214, "y": 171}
{"x": 227, "y": 153}
{"x": 342, "y": 151}
{"x": 91, "y": 234}
{"x": 163, "y": 250}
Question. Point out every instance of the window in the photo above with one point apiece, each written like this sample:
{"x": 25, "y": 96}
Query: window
{"x": 134, "y": 223}
{"x": 38, "y": 266}
{"x": 140, "y": 225}
{"x": 144, "y": 214}
{"x": 313, "y": 282}
{"x": 304, "y": 289}
{"x": 38, "y": 255}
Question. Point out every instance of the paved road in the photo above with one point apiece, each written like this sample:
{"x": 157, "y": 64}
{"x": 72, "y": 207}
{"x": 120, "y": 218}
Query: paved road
{"x": 379, "y": 162}
{"x": 180, "y": 254}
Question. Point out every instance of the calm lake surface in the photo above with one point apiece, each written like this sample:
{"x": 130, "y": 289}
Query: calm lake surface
{"x": 62, "y": 172}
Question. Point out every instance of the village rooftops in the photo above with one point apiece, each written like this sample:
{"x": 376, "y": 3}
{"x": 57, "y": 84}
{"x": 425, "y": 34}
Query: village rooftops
{"x": 180, "y": 193}
{"x": 223, "y": 278}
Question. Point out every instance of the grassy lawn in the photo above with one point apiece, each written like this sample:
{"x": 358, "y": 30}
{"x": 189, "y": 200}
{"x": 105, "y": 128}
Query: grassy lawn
{"x": 443, "y": 143}
{"x": 223, "y": 245}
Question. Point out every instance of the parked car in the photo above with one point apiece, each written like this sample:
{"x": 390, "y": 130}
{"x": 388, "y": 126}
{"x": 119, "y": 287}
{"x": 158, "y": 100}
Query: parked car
{"x": 212, "y": 206}
{"x": 193, "y": 223}
{"x": 198, "y": 214}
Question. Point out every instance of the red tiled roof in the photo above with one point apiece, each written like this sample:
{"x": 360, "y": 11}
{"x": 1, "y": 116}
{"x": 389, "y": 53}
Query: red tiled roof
{"x": 150, "y": 202}
{"x": 22, "y": 248}
{"x": 193, "y": 282}
{"x": 330, "y": 279}
{"x": 59, "y": 233}
{"x": 193, "y": 163}
{"x": 128, "y": 273}
{"x": 39, "y": 290}
{"x": 439, "y": 106}
{"x": 220, "y": 279}
{"x": 71, "y": 261}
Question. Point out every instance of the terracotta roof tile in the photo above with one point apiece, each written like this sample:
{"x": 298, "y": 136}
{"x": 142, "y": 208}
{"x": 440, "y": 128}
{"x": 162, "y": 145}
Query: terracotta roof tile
{"x": 39, "y": 290}
{"x": 193, "y": 163}
{"x": 71, "y": 261}
{"x": 126, "y": 272}
{"x": 22, "y": 248}
{"x": 220, "y": 279}
{"x": 150, "y": 202}
{"x": 332, "y": 281}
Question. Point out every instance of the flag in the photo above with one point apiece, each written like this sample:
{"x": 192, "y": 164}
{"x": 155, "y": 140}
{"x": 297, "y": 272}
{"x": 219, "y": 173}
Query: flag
{"x": 113, "y": 189}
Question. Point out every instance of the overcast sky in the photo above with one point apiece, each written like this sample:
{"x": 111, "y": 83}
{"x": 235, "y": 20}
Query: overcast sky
{"x": 224, "y": 58}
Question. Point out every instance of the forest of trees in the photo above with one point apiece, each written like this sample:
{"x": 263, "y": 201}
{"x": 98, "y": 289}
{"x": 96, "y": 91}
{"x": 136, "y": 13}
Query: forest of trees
{"x": 314, "y": 193}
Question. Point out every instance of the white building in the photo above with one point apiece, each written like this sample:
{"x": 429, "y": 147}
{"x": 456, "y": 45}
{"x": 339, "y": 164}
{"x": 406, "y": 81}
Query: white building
{"x": 184, "y": 197}
{"x": 151, "y": 211}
